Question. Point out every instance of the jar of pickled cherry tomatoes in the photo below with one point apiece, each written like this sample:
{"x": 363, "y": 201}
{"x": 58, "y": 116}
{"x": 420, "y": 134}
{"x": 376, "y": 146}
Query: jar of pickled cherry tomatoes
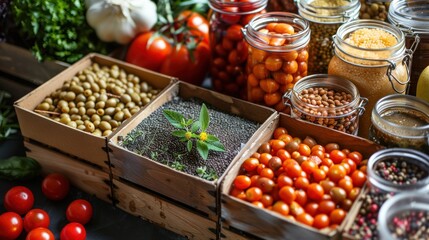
{"x": 229, "y": 50}
{"x": 277, "y": 58}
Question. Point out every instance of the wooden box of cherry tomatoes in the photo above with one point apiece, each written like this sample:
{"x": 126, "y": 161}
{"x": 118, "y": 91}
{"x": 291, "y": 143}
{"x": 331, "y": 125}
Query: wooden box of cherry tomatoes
{"x": 300, "y": 181}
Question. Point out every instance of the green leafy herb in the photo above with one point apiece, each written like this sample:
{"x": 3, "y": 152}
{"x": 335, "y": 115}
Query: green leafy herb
{"x": 18, "y": 167}
{"x": 8, "y": 122}
{"x": 191, "y": 130}
{"x": 208, "y": 174}
{"x": 57, "y": 29}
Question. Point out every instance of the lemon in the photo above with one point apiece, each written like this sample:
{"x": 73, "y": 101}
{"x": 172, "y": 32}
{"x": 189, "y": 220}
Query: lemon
{"x": 422, "y": 91}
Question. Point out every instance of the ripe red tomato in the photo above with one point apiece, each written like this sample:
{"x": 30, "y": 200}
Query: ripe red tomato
{"x": 79, "y": 211}
{"x": 198, "y": 25}
{"x": 10, "y": 225}
{"x": 55, "y": 186}
{"x": 149, "y": 50}
{"x": 73, "y": 231}
{"x": 19, "y": 199}
{"x": 40, "y": 233}
{"x": 36, "y": 218}
{"x": 189, "y": 65}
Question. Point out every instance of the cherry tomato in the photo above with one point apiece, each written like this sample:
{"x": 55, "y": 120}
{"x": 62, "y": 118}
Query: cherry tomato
{"x": 36, "y": 218}
{"x": 336, "y": 172}
{"x": 279, "y": 131}
{"x": 253, "y": 194}
{"x": 55, "y": 186}
{"x": 281, "y": 207}
{"x": 149, "y": 54}
{"x": 265, "y": 184}
{"x": 321, "y": 221}
{"x": 358, "y": 178}
{"x": 287, "y": 194}
{"x": 326, "y": 206}
{"x": 19, "y": 199}
{"x": 337, "y": 216}
{"x": 73, "y": 231}
{"x": 197, "y": 24}
{"x": 242, "y": 182}
{"x": 305, "y": 218}
{"x": 250, "y": 164}
{"x": 315, "y": 191}
{"x": 40, "y": 233}
{"x": 79, "y": 211}
{"x": 10, "y": 225}
{"x": 337, "y": 156}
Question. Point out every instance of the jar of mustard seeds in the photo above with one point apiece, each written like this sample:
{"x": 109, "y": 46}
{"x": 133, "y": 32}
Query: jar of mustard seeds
{"x": 325, "y": 17}
{"x": 372, "y": 55}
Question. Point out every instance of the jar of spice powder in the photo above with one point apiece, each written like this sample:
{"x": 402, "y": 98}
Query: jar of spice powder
{"x": 327, "y": 100}
{"x": 412, "y": 17}
{"x": 325, "y": 16}
{"x": 278, "y": 56}
{"x": 372, "y": 55}
{"x": 401, "y": 121}
{"x": 374, "y": 9}
{"x": 229, "y": 50}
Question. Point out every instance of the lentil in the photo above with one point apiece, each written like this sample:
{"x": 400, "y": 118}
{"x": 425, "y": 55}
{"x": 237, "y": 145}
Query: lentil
{"x": 86, "y": 97}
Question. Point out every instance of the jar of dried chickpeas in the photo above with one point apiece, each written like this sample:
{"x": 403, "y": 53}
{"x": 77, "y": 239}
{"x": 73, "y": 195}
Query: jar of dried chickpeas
{"x": 327, "y": 100}
{"x": 412, "y": 17}
{"x": 229, "y": 50}
{"x": 325, "y": 17}
{"x": 374, "y": 9}
{"x": 372, "y": 55}
{"x": 278, "y": 56}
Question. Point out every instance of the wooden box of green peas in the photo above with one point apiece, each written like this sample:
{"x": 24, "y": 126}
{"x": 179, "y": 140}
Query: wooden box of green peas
{"x": 299, "y": 181}
{"x": 77, "y": 109}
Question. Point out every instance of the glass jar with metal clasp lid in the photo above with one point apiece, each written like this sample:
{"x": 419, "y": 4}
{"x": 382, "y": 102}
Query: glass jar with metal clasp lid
{"x": 372, "y": 55}
{"x": 412, "y": 17}
{"x": 327, "y": 100}
{"x": 401, "y": 121}
{"x": 325, "y": 17}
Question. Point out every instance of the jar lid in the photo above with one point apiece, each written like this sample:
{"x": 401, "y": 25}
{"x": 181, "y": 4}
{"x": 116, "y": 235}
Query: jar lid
{"x": 410, "y": 15}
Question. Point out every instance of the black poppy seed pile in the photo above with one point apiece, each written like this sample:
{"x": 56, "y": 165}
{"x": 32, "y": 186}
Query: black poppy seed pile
{"x": 410, "y": 225}
{"x": 395, "y": 170}
{"x": 155, "y": 140}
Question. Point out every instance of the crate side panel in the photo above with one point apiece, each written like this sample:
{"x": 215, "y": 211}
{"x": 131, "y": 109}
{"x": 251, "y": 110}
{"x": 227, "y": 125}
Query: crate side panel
{"x": 81, "y": 175}
{"x": 164, "y": 213}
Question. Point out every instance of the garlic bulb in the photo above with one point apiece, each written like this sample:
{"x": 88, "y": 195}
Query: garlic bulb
{"x": 120, "y": 20}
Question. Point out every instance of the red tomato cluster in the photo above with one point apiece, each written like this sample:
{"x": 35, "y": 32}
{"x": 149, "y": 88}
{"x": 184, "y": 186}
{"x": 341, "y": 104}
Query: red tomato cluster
{"x": 21, "y": 214}
{"x": 185, "y": 56}
{"x": 301, "y": 180}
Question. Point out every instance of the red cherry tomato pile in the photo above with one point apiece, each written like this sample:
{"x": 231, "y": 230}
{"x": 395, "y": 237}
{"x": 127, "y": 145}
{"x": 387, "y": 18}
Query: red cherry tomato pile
{"x": 21, "y": 215}
{"x": 301, "y": 180}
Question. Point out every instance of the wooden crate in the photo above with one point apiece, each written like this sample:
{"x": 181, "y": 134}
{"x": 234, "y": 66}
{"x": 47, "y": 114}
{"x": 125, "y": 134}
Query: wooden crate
{"x": 199, "y": 194}
{"x": 267, "y": 224}
{"x": 353, "y": 214}
{"x": 62, "y": 137}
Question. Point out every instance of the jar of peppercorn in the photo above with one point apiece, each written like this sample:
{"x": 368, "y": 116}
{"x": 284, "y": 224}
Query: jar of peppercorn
{"x": 327, "y": 100}
{"x": 372, "y": 55}
{"x": 325, "y": 17}
{"x": 401, "y": 121}
{"x": 412, "y": 17}
{"x": 404, "y": 216}
{"x": 229, "y": 50}
{"x": 374, "y": 9}
{"x": 277, "y": 58}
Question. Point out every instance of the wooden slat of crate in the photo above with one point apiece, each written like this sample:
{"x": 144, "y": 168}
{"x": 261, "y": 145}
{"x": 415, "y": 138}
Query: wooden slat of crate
{"x": 80, "y": 174}
{"x": 156, "y": 209}
{"x": 67, "y": 139}
{"x": 195, "y": 192}
{"x": 353, "y": 214}
{"x": 229, "y": 233}
{"x": 267, "y": 224}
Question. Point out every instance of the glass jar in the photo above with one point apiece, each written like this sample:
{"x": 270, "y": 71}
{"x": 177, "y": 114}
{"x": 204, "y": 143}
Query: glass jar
{"x": 401, "y": 121}
{"x": 396, "y": 170}
{"x": 325, "y": 17}
{"x": 412, "y": 17}
{"x": 378, "y": 66}
{"x": 277, "y": 58}
{"x": 374, "y": 9}
{"x": 229, "y": 50}
{"x": 327, "y": 100}
{"x": 282, "y": 5}
{"x": 404, "y": 216}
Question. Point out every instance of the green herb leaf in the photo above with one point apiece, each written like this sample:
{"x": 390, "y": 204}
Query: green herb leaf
{"x": 203, "y": 149}
{"x": 216, "y": 146}
{"x": 174, "y": 118}
{"x": 189, "y": 145}
{"x": 204, "y": 118}
{"x": 179, "y": 133}
{"x": 18, "y": 167}
{"x": 195, "y": 126}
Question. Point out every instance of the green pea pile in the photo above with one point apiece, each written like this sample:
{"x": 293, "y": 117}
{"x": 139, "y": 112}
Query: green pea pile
{"x": 97, "y": 99}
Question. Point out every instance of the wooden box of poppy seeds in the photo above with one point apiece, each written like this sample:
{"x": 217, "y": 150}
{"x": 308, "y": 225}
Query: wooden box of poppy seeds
{"x": 169, "y": 159}
{"x": 299, "y": 181}
{"x": 74, "y": 111}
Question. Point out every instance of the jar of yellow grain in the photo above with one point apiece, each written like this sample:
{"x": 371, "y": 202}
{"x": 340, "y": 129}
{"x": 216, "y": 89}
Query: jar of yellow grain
{"x": 325, "y": 17}
{"x": 372, "y": 55}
